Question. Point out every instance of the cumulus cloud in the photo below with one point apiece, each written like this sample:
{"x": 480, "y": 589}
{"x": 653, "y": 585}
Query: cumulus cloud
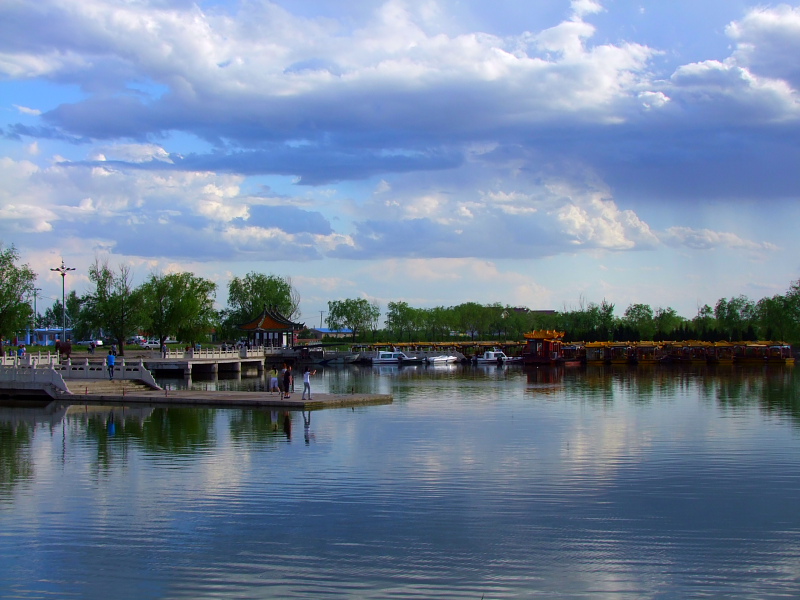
{"x": 535, "y": 220}
{"x": 433, "y": 140}
{"x": 265, "y": 76}
{"x": 767, "y": 40}
{"x": 152, "y": 214}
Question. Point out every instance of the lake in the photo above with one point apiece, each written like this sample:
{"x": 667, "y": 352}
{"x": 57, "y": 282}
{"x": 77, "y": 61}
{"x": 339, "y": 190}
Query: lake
{"x": 477, "y": 482}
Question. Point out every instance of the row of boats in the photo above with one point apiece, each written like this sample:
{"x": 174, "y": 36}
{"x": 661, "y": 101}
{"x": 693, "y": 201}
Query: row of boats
{"x": 396, "y": 357}
{"x": 547, "y": 347}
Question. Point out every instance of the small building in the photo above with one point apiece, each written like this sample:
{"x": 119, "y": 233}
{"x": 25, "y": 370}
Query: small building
{"x": 320, "y": 332}
{"x": 44, "y": 336}
{"x": 271, "y": 328}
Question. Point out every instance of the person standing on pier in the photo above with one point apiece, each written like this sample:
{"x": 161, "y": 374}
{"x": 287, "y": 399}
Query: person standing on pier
{"x": 287, "y": 382}
{"x": 273, "y": 381}
{"x": 110, "y": 362}
{"x": 307, "y": 373}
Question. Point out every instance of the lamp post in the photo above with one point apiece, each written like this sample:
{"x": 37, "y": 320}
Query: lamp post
{"x": 63, "y": 270}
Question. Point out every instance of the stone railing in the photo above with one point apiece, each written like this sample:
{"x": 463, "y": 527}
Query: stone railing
{"x": 32, "y": 378}
{"x": 210, "y": 353}
{"x": 83, "y": 369}
{"x": 39, "y": 359}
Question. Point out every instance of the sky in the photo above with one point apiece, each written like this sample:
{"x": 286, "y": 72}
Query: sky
{"x": 544, "y": 154}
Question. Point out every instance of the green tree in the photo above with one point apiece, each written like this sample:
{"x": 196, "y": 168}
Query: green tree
{"x": 606, "y": 320}
{"x": 358, "y": 315}
{"x": 774, "y": 320}
{"x": 247, "y": 297}
{"x": 114, "y": 306}
{"x": 705, "y": 324}
{"x": 516, "y": 322}
{"x": 639, "y": 317}
{"x": 437, "y": 322}
{"x": 472, "y": 318}
{"x": 735, "y": 316}
{"x": 400, "y": 319}
{"x": 16, "y": 283}
{"x": 667, "y": 321}
{"x": 178, "y": 304}
{"x": 792, "y": 299}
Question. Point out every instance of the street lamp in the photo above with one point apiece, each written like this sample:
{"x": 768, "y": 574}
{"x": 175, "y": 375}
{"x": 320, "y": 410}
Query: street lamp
{"x": 63, "y": 270}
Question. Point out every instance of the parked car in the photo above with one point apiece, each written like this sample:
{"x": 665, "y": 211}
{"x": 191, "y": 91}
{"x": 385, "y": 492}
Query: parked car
{"x": 89, "y": 342}
{"x": 149, "y": 344}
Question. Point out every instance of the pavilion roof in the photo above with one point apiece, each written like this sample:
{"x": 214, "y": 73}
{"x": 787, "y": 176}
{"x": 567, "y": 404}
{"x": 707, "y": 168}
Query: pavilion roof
{"x": 270, "y": 320}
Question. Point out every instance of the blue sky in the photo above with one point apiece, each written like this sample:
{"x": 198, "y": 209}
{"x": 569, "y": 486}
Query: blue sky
{"x": 544, "y": 154}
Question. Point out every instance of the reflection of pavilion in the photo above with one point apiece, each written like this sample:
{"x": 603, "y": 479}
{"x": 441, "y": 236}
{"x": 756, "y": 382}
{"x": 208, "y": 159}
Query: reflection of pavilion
{"x": 271, "y": 328}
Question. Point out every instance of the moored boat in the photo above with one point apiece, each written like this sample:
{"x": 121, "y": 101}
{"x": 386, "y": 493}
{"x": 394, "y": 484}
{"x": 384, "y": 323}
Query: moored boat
{"x": 491, "y": 357}
{"x": 394, "y": 358}
{"x": 595, "y": 353}
{"x": 720, "y": 353}
{"x": 763, "y": 352}
{"x": 442, "y": 359}
{"x": 647, "y": 353}
{"x": 546, "y": 347}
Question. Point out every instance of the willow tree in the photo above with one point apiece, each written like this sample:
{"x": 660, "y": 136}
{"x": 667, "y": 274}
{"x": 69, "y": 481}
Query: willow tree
{"x": 178, "y": 304}
{"x": 357, "y": 315}
{"x": 16, "y": 283}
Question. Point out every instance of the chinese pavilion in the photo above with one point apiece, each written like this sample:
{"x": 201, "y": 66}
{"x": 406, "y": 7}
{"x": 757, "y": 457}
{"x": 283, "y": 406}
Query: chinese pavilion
{"x": 271, "y": 328}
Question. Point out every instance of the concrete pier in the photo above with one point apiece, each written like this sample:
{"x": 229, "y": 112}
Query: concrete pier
{"x": 220, "y": 399}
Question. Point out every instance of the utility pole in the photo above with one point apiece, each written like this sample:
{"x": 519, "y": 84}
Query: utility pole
{"x": 35, "y": 314}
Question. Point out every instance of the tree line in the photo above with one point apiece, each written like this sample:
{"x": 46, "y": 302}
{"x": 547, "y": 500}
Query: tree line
{"x": 166, "y": 305}
{"x": 181, "y": 305}
{"x": 737, "y": 318}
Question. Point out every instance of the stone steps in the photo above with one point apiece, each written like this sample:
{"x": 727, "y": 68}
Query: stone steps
{"x": 105, "y": 387}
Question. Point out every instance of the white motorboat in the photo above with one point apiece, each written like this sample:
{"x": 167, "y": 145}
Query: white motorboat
{"x": 497, "y": 357}
{"x": 393, "y": 358}
{"x": 443, "y": 359}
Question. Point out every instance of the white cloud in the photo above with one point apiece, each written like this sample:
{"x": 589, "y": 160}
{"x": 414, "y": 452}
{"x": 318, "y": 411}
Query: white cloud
{"x": 134, "y": 153}
{"x": 474, "y": 144}
{"x": 707, "y": 239}
{"x": 768, "y": 40}
{"x": 28, "y": 111}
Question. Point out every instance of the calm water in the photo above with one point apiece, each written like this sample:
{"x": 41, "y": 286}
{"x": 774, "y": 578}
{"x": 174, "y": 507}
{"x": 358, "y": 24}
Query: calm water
{"x": 475, "y": 483}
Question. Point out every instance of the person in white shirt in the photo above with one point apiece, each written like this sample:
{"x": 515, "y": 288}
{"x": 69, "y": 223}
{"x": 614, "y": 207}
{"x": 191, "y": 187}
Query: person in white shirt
{"x": 307, "y": 382}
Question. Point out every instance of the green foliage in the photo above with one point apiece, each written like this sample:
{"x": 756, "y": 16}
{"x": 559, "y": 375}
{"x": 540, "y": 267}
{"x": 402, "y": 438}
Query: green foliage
{"x": 471, "y": 318}
{"x": 178, "y": 304}
{"x": 666, "y": 321}
{"x": 358, "y": 315}
{"x": 735, "y": 316}
{"x": 400, "y": 320}
{"x": 639, "y": 318}
{"x": 248, "y": 296}
{"x": 16, "y": 284}
{"x": 114, "y": 306}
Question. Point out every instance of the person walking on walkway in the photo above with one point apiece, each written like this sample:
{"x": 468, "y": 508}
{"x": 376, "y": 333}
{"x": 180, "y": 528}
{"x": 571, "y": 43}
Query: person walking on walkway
{"x": 307, "y": 373}
{"x": 110, "y": 362}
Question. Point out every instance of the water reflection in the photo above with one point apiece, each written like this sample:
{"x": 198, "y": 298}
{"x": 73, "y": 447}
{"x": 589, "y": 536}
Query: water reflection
{"x": 510, "y": 482}
{"x": 187, "y": 430}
